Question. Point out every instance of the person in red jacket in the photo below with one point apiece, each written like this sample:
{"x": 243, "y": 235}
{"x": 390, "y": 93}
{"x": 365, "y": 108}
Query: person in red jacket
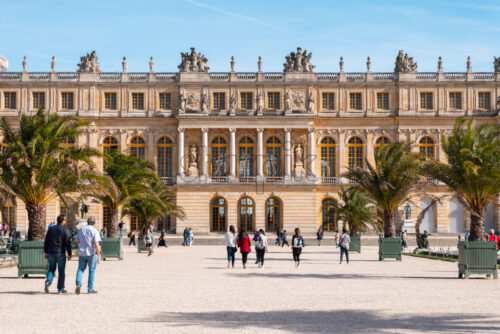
{"x": 494, "y": 238}
{"x": 244, "y": 245}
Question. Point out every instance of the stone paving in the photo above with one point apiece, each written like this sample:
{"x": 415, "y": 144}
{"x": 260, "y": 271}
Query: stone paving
{"x": 189, "y": 290}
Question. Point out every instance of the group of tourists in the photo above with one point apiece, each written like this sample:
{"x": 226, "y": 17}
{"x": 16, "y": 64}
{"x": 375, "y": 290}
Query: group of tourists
{"x": 281, "y": 238}
{"x": 188, "y": 237}
{"x": 4, "y": 228}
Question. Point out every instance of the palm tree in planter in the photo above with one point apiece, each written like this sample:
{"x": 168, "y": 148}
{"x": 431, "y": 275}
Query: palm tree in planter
{"x": 473, "y": 169}
{"x": 37, "y": 165}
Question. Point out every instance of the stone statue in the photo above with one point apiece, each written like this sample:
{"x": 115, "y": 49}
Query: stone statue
{"x": 84, "y": 209}
{"x": 407, "y": 212}
{"x": 288, "y": 102}
{"x": 496, "y": 64}
{"x": 233, "y": 102}
{"x": 53, "y": 64}
{"x": 260, "y": 102}
{"x": 299, "y": 170}
{"x": 89, "y": 63}
{"x": 193, "y": 62}
{"x": 151, "y": 64}
{"x": 204, "y": 102}
{"x": 310, "y": 102}
{"x": 192, "y": 161}
{"x": 25, "y": 64}
{"x": 298, "y": 62}
{"x": 404, "y": 63}
{"x": 182, "y": 103}
{"x": 124, "y": 64}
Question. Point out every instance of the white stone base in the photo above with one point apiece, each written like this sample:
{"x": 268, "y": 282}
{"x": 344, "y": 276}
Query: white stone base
{"x": 409, "y": 226}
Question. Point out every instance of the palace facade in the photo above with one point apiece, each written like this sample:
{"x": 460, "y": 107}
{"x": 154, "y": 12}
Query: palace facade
{"x": 258, "y": 149}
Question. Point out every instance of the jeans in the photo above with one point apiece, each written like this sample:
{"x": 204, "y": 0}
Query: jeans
{"x": 260, "y": 255}
{"x": 56, "y": 260}
{"x": 121, "y": 232}
{"x": 83, "y": 262}
{"x": 296, "y": 253}
{"x": 230, "y": 254}
{"x": 342, "y": 251}
{"x": 131, "y": 241}
{"x": 319, "y": 242}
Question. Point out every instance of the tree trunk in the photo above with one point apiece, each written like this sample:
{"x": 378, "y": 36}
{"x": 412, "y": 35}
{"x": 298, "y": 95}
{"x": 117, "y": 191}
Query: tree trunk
{"x": 113, "y": 224}
{"x": 477, "y": 224}
{"x": 389, "y": 228}
{"x": 36, "y": 223}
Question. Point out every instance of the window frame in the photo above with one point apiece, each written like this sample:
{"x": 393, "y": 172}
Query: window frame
{"x": 143, "y": 101}
{"x": 273, "y": 100}
{"x": 167, "y": 167}
{"x": 460, "y": 94}
{"x": 355, "y": 157}
{"x": 141, "y": 143}
{"x": 221, "y": 99}
{"x": 213, "y": 205}
{"x": 426, "y": 100}
{"x": 360, "y": 101}
{"x": 426, "y": 145}
{"x": 7, "y": 102}
{"x": 111, "y": 100}
{"x": 327, "y": 94}
{"x": 328, "y": 157}
{"x": 68, "y": 95}
{"x": 246, "y": 107}
{"x": 39, "y": 94}
{"x": 377, "y": 107}
{"x": 165, "y": 106}
{"x": 479, "y": 102}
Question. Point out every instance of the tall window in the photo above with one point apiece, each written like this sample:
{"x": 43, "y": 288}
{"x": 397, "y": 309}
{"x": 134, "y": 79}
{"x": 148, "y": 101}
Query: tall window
{"x": 455, "y": 100}
{"x": 328, "y": 101}
{"x": 138, "y": 147}
{"x": 69, "y": 141}
{"x": 246, "y": 157}
{"x": 273, "y": 157}
{"x": 219, "y": 214}
{"x": 355, "y": 153}
{"x": 273, "y": 214}
{"x": 106, "y": 216}
{"x": 327, "y": 157}
{"x": 67, "y": 100}
{"x": 164, "y": 223}
{"x": 164, "y": 157}
{"x": 109, "y": 144}
{"x": 328, "y": 215}
{"x": 110, "y": 101}
{"x": 381, "y": 141}
{"x": 138, "y": 101}
{"x": 38, "y": 100}
{"x": 219, "y": 101}
{"x": 426, "y": 147}
{"x": 246, "y": 99}
{"x": 484, "y": 100}
{"x": 426, "y": 101}
{"x": 383, "y": 101}
{"x": 9, "y": 100}
{"x": 10, "y": 213}
{"x": 135, "y": 222}
{"x": 165, "y": 101}
{"x": 219, "y": 157}
{"x": 246, "y": 213}
{"x": 355, "y": 101}
{"x": 68, "y": 210}
{"x": 273, "y": 100}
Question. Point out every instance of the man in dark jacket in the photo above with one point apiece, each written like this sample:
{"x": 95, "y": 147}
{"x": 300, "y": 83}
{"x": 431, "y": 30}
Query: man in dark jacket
{"x": 57, "y": 242}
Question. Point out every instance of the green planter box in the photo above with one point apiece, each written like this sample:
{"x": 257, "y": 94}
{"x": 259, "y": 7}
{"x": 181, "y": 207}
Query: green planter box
{"x": 31, "y": 260}
{"x": 389, "y": 248}
{"x": 112, "y": 248}
{"x": 141, "y": 246}
{"x": 355, "y": 244}
{"x": 477, "y": 258}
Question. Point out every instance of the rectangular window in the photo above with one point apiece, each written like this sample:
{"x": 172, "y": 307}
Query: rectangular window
{"x": 327, "y": 101}
{"x": 38, "y": 100}
{"x": 426, "y": 101}
{"x": 165, "y": 99}
{"x": 455, "y": 100}
{"x": 219, "y": 101}
{"x": 383, "y": 101}
{"x": 273, "y": 100}
{"x": 246, "y": 99}
{"x": 483, "y": 101}
{"x": 138, "y": 101}
{"x": 355, "y": 101}
{"x": 9, "y": 101}
{"x": 67, "y": 100}
{"x": 110, "y": 101}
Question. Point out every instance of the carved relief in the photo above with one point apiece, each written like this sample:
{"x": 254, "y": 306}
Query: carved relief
{"x": 405, "y": 64}
{"x": 298, "y": 100}
{"x": 192, "y": 100}
{"x": 298, "y": 62}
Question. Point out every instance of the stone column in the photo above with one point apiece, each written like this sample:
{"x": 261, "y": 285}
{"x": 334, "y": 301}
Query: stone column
{"x": 232, "y": 153}
{"x": 180, "y": 153}
{"x": 204, "y": 154}
{"x": 288, "y": 156}
{"x": 311, "y": 153}
{"x": 260, "y": 154}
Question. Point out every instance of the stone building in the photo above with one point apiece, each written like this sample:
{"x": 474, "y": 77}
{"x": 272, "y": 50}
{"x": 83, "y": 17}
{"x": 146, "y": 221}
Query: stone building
{"x": 258, "y": 149}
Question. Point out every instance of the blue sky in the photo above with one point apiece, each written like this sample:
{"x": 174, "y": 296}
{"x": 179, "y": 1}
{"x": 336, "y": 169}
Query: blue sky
{"x": 220, "y": 29}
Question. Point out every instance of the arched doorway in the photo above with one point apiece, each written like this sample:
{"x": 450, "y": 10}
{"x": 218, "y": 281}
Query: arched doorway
{"x": 219, "y": 216}
{"x": 273, "y": 214}
{"x": 456, "y": 217}
{"x": 429, "y": 221}
{"x": 328, "y": 217}
{"x": 247, "y": 213}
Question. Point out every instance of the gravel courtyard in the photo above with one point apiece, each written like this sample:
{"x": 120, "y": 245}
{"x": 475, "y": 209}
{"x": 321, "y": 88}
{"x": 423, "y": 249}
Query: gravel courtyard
{"x": 189, "y": 290}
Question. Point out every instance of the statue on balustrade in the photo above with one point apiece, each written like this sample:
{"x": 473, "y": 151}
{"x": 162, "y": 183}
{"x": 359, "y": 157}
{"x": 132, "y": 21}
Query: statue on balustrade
{"x": 404, "y": 63}
{"x": 193, "y": 62}
{"x": 89, "y": 63}
{"x": 298, "y": 62}
{"x": 496, "y": 64}
{"x": 299, "y": 170}
{"x": 192, "y": 161}
{"x": 260, "y": 102}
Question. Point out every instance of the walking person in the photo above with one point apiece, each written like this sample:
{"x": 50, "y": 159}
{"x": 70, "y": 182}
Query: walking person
{"x": 255, "y": 238}
{"x": 161, "y": 240}
{"x": 89, "y": 254}
{"x": 297, "y": 244}
{"x": 231, "y": 238}
{"x": 120, "y": 226}
{"x": 344, "y": 241}
{"x": 404, "y": 239}
{"x": 336, "y": 238}
{"x": 261, "y": 247}
{"x": 57, "y": 243}
{"x": 185, "y": 235}
{"x": 278, "y": 236}
{"x": 245, "y": 245}
{"x": 319, "y": 236}
{"x": 131, "y": 236}
{"x": 190, "y": 237}
{"x": 283, "y": 239}
{"x": 5, "y": 228}
{"x": 148, "y": 240}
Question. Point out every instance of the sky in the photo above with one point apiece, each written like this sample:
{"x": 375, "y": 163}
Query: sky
{"x": 68, "y": 29}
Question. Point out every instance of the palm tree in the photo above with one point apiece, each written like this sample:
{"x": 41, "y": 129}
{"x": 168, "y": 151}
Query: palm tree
{"x": 390, "y": 182}
{"x": 473, "y": 169}
{"x": 38, "y": 165}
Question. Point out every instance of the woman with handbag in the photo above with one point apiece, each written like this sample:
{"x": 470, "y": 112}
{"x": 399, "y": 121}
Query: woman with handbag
{"x": 261, "y": 247}
{"x": 231, "y": 245}
{"x": 297, "y": 244}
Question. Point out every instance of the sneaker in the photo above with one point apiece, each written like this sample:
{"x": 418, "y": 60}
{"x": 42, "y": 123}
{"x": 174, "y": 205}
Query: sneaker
{"x": 77, "y": 290}
{"x": 47, "y": 287}
{"x": 244, "y": 266}
{"x": 92, "y": 292}
{"x": 62, "y": 291}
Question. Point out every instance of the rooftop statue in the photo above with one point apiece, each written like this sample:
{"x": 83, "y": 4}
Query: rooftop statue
{"x": 194, "y": 62}
{"x": 404, "y": 63}
{"x": 496, "y": 64}
{"x": 298, "y": 62}
{"x": 89, "y": 63}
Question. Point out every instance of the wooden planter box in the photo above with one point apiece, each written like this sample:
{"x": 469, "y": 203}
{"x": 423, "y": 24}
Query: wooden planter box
{"x": 475, "y": 257}
{"x": 141, "y": 246}
{"x": 112, "y": 248}
{"x": 355, "y": 244}
{"x": 389, "y": 248}
{"x": 31, "y": 259}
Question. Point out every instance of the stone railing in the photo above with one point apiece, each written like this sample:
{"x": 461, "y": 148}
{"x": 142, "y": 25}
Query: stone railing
{"x": 169, "y": 180}
{"x": 274, "y": 179}
{"x": 166, "y": 76}
{"x": 67, "y": 75}
{"x": 246, "y": 76}
{"x": 356, "y": 76}
{"x": 383, "y": 76}
{"x": 273, "y": 76}
{"x": 39, "y": 76}
{"x": 426, "y": 76}
{"x": 330, "y": 180}
{"x": 484, "y": 76}
{"x": 219, "y": 76}
{"x": 328, "y": 76}
{"x": 247, "y": 179}
{"x": 219, "y": 179}
{"x": 138, "y": 76}
{"x": 455, "y": 75}
{"x": 110, "y": 76}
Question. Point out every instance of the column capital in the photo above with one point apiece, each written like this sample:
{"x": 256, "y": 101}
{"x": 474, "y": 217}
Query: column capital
{"x": 260, "y": 130}
{"x": 311, "y": 130}
{"x": 232, "y": 130}
{"x": 181, "y": 130}
{"x": 287, "y": 130}
{"x": 204, "y": 130}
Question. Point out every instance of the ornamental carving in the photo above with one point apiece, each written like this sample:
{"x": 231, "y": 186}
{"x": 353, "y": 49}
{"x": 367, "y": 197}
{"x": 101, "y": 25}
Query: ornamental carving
{"x": 89, "y": 63}
{"x": 298, "y": 62}
{"x": 496, "y": 64}
{"x": 193, "y": 62}
{"x": 405, "y": 64}
{"x": 191, "y": 100}
{"x": 298, "y": 100}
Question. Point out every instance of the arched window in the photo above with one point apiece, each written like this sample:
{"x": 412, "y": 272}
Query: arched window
{"x": 69, "y": 141}
{"x": 138, "y": 147}
{"x": 273, "y": 214}
{"x": 9, "y": 213}
{"x": 246, "y": 157}
{"x": 273, "y": 157}
{"x": 355, "y": 153}
{"x": 328, "y": 157}
{"x": 219, "y": 157}
{"x": 164, "y": 157}
{"x": 106, "y": 216}
{"x": 426, "y": 147}
{"x": 219, "y": 217}
{"x": 109, "y": 144}
{"x": 69, "y": 210}
{"x": 329, "y": 223}
{"x": 247, "y": 211}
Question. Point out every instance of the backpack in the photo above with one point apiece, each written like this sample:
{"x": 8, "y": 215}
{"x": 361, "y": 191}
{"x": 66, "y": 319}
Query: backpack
{"x": 260, "y": 243}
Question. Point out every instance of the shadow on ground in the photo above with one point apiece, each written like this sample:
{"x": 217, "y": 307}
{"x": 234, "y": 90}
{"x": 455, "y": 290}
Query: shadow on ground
{"x": 333, "y": 276}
